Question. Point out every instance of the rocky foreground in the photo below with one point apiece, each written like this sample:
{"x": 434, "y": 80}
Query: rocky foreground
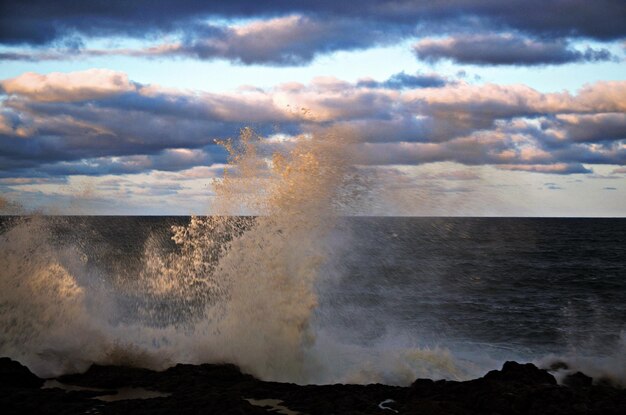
{"x": 223, "y": 389}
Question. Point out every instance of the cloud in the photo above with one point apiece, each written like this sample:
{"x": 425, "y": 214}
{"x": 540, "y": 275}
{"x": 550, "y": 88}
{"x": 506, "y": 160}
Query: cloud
{"x": 558, "y": 168}
{"x": 290, "y": 40}
{"x": 295, "y": 32}
{"x": 505, "y": 49}
{"x": 100, "y": 122}
{"x": 68, "y": 87}
{"x": 478, "y": 149}
{"x": 491, "y": 101}
{"x": 591, "y": 127}
{"x": 20, "y": 181}
{"x": 402, "y": 80}
{"x": 41, "y": 22}
{"x": 287, "y": 40}
{"x": 173, "y": 159}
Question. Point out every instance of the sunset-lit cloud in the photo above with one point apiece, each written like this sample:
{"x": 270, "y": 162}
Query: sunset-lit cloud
{"x": 99, "y": 122}
{"x": 62, "y": 87}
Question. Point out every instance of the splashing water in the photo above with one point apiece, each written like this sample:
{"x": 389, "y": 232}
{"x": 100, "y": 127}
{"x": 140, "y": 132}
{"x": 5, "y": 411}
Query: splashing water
{"x": 236, "y": 289}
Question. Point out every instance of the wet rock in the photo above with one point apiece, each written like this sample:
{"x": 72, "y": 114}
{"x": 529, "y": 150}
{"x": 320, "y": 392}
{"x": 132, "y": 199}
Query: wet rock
{"x": 108, "y": 377}
{"x": 578, "y": 380}
{"x": 527, "y": 374}
{"x": 191, "y": 389}
{"x": 422, "y": 387}
{"x": 15, "y": 375}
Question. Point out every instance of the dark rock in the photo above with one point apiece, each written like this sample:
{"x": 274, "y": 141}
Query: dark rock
{"x": 223, "y": 389}
{"x": 609, "y": 382}
{"x": 108, "y": 377}
{"x": 15, "y": 375}
{"x": 578, "y": 380}
{"x": 527, "y": 374}
{"x": 422, "y": 387}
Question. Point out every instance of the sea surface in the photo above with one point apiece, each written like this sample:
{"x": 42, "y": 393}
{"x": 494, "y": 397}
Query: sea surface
{"x": 459, "y": 294}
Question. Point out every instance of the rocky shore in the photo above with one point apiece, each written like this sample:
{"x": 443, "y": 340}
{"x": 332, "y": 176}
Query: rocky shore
{"x": 223, "y": 389}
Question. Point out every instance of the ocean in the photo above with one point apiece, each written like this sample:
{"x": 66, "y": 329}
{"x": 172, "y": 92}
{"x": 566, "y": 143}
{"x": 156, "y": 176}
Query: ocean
{"x": 369, "y": 299}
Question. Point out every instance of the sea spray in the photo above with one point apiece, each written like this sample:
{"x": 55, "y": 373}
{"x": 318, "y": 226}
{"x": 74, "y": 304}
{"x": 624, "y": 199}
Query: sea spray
{"x": 265, "y": 279}
{"x": 43, "y": 311}
{"x": 288, "y": 290}
{"x": 236, "y": 290}
{"x": 270, "y": 270}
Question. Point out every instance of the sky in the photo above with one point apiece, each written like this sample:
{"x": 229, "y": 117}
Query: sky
{"x": 460, "y": 107}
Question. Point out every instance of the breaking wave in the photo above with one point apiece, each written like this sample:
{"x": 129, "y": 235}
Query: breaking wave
{"x": 241, "y": 286}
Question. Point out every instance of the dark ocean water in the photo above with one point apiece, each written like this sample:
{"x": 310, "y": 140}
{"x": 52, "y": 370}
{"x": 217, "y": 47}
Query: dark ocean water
{"x": 510, "y": 287}
{"x": 533, "y": 285}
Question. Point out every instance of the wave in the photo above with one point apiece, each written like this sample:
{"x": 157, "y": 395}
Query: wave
{"x": 238, "y": 288}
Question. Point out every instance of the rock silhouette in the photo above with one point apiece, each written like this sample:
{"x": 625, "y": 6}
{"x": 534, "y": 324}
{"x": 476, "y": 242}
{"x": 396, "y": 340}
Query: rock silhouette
{"x": 223, "y": 389}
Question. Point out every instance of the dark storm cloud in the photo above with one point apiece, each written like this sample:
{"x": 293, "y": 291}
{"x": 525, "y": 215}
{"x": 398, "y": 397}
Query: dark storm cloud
{"x": 42, "y": 21}
{"x": 76, "y": 131}
{"x": 282, "y": 41}
{"x": 168, "y": 160}
{"x": 292, "y": 40}
{"x": 505, "y": 50}
{"x": 294, "y": 32}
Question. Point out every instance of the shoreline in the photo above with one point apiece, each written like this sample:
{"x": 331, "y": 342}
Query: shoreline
{"x": 224, "y": 389}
